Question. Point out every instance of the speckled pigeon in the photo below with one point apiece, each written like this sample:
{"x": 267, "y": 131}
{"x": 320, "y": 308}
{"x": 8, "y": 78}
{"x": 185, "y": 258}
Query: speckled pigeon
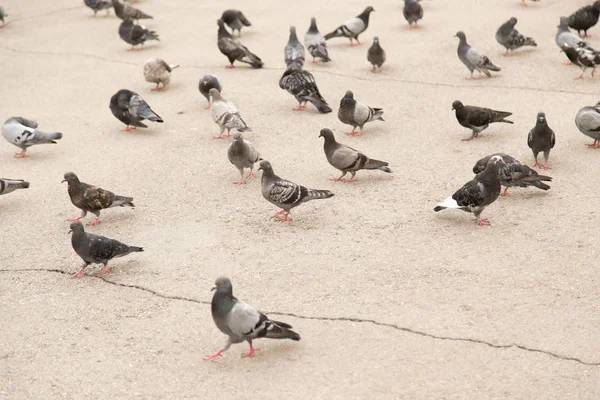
{"x": 315, "y": 43}
{"x": 301, "y": 84}
{"x": 353, "y": 27}
{"x": 472, "y": 59}
{"x": 136, "y": 34}
{"x": 510, "y": 38}
{"x": 357, "y": 114}
{"x": 293, "y": 52}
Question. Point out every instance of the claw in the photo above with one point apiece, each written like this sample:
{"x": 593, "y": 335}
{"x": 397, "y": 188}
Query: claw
{"x": 213, "y": 357}
{"x": 94, "y": 222}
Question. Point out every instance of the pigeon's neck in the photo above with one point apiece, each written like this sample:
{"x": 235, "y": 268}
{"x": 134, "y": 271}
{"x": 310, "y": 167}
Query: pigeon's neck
{"x": 506, "y": 28}
{"x": 78, "y": 238}
{"x": 223, "y": 33}
{"x": 489, "y": 174}
{"x": 330, "y": 145}
{"x": 313, "y": 27}
{"x": 117, "y": 5}
{"x": 461, "y": 112}
{"x": 293, "y": 37}
{"x": 347, "y": 102}
{"x": 268, "y": 175}
{"x": 222, "y": 303}
{"x": 365, "y": 16}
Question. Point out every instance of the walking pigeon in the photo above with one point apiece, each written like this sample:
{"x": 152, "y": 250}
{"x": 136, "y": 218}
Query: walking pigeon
{"x": 472, "y": 59}
{"x": 208, "y": 82}
{"x": 355, "y": 113}
{"x": 588, "y": 122}
{"x": 565, "y": 36}
{"x": 3, "y": 15}
{"x": 541, "y": 139}
{"x": 510, "y": 38}
{"x": 96, "y": 249}
{"x": 10, "y": 185}
{"x": 301, "y": 84}
{"x": 234, "y": 50}
{"x": 241, "y": 322}
{"x": 225, "y": 114}
{"x": 413, "y": 12}
{"x": 478, "y": 118}
{"x": 514, "y": 173}
{"x": 376, "y": 55}
{"x": 156, "y": 70}
{"x": 135, "y": 34}
{"x": 125, "y": 11}
{"x": 353, "y": 27}
{"x": 91, "y": 198}
{"x": 22, "y": 133}
{"x": 129, "y": 108}
{"x": 293, "y": 52}
{"x": 285, "y": 194}
{"x": 242, "y": 154}
{"x": 98, "y": 5}
{"x": 478, "y": 193}
{"x": 583, "y": 57}
{"x": 315, "y": 43}
{"x": 235, "y": 19}
{"x": 584, "y": 18}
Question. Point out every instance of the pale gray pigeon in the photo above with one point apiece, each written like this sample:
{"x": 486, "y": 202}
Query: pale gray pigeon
{"x": 225, "y": 114}
{"x": 10, "y": 185}
{"x": 541, "y": 139}
{"x": 125, "y": 11}
{"x": 315, "y": 42}
{"x": 294, "y": 51}
{"x": 302, "y": 85}
{"x": 588, "y": 122}
{"x": 472, "y": 59}
{"x": 235, "y": 19}
{"x": 510, "y": 38}
{"x": 234, "y": 50}
{"x": 242, "y": 154}
{"x": 565, "y": 36}
{"x": 98, "y": 5}
{"x": 208, "y": 82}
{"x": 376, "y": 55}
{"x": 129, "y": 108}
{"x": 357, "y": 114}
{"x": 157, "y": 70}
{"x": 136, "y": 34}
{"x": 353, "y": 27}
{"x": 22, "y": 133}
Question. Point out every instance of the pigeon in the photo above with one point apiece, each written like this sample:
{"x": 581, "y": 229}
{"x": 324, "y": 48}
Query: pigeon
{"x": 413, "y": 12}
{"x": 355, "y": 113}
{"x": 353, "y": 27}
{"x": 96, "y": 249}
{"x": 541, "y": 139}
{"x": 301, "y": 84}
{"x": 514, "y": 173}
{"x": 92, "y": 198}
{"x": 315, "y": 43}
{"x": 242, "y": 154}
{"x": 235, "y": 19}
{"x": 565, "y": 36}
{"x": 10, "y": 185}
{"x": 242, "y": 322}
{"x": 208, "y": 82}
{"x": 510, "y": 38}
{"x": 135, "y": 34}
{"x": 346, "y": 159}
{"x": 234, "y": 50}
{"x": 588, "y": 122}
{"x": 472, "y": 59}
{"x": 478, "y": 118}
{"x": 156, "y": 70}
{"x": 225, "y": 114}
{"x": 129, "y": 108}
{"x": 294, "y": 51}
{"x": 583, "y": 57}
{"x": 3, "y": 15}
{"x": 98, "y": 5}
{"x": 125, "y": 11}
{"x": 525, "y": 4}
{"x": 285, "y": 194}
{"x": 478, "y": 193}
{"x": 23, "y": 133}
{"x": 584, "y": 18}
{"x": 376, "y": 55}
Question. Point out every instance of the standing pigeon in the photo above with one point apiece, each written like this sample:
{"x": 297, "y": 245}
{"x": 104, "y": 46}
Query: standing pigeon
{"x": 588, "y": 122}
{"x": 23, "y": 133}
{"x": 209, "y": 81}
{"x": 3, "y": 15}
{"x": 235, "y": 19}
{"x": 156, "y": 70}
{"x": 478, "y": 193}
{"x": 478, "y": 118}
{"x": 525, "y": 4}
{"x": 91, "y": 198}
{"x": 346, "y": 159}
{"x": 241, "y": 322}
{"x": 514, "y": 173}
{"x": 242, "y": 154}
{"x": 376, "y": 55}
{"x": 125, "y": 11}
{"x": 541, "y": 139}
{"x": 413, "y": 12}
{"x": 584, "y": 18}
{"x": 285, "y": 194}
{"x": 135, "y": 34}
{"x": 565, "y": 36}
{"x": 129, "y": 108}
{"x": 301, "y": 84}
{"x": 510, "y": 38}
{"x": 234, "y": 50}
{"x": 582, "y": 56}
{"x": 225, "y": 114}
{"x": 98, "y": 5}
{"x": 314, "y": 41}
{"x": 472, "y": 59}
{"x": 353, "y": 27}
{"x": 96, "y": 249}
{"x": 355, "y": 113}
{"x": 293, "y": 52}
{"x": 10, "y": 185}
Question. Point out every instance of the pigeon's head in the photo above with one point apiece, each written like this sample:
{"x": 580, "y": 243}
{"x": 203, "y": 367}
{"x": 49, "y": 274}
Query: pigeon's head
{"x": 223, "y": 284}
{"x": 495, "y": 160}
{"x": 369, "y": 9}
{"x": 456, "y": 105}
{"x": 596, "y": 5}
{"x": 265, "y": 166}
{"x": 70, "y": 177}
{"x": 564, "y": 21}
{"x": 513, "y": 21}
{"x": 327, "y": 134}
{"x": 76, "y": 227}
{"x": 349, "y": 94}
{"x": 461, "y": 35}
{"x": 541, "y": 118}
{"x": 236, "y": 136}
{"x": 293, "y": 29}
{"x": 376, "y": 40}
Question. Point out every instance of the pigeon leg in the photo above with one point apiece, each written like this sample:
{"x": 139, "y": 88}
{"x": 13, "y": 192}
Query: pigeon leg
{"x": 219, "y": 136}
{"x": 339, "y": 178}
{"x": 156, "y": 88}
{"x": 373, "y": 69}
{"x": 213, "y": 357}
{"x": 314, "y": 61}
{"x": 241, "y": 181}
{"x": 305, "y": 104}
{"x": 94, "y": 222}
{"x": 579, "y": 77}
{"x": 103, "y": 270}
{"x": 128, "y": 128}
{"x": 593, "y": 71}
{"x": 228, "y": 132}
{"x": 286, "y": 217}
{"x": 353, "y": 179}
{"x": 594, "y": 145}
{"x": 279, "y": 213}
{"x": 507, "y": 53}
{"x": 20, "y": 154}
{"x": 505, "y": 193}
{"x": 299, "y": 108}
{"x": 250, "y": 174}
{"x": 74, "y": 219}
{"x": 132, "y": 48}
{"x": 78, "y": 273}
{"x": 352, "y": 131}
{"x": 545, "y": 166}
{"x": 523, "y": 3}
{"x": 358, "y": 43}
{"x": 483, "y": 221}
{"x": 251, "y": 352}
{"x": 230, "y": 66}
{"x": 360, "y": 132}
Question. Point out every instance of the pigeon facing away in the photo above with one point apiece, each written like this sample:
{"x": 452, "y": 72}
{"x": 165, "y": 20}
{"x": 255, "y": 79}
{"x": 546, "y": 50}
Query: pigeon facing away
{"x": 225, "y": 114}
{"x": 478, "y": 118}
{"x": 315, "y": 43}
{"x": 285, "y": 194}
{"x": 584, "y": 18}
{"x": 129, "y": 108}
{"x": 208, "y": 82}
{"x": 582, "y": 56}
{"x": 234, "y": 50}
{"x": 353, "y": 27}
{"x": 541, "y": 139}
{"x": 346, "y": 159}
{"x": 3, "y": 15}
{"x": 355, "y": 113}
{"x": 478, "y": 193}
{"x": 91, "y": 198}
{"x": 125, "y": 11}
{"x": 514, "y": 173}
{"x": 23, "y": 133}
{"x": 242, "y": 154}
{"x": 565, "y": 36}
{"x": 10, "y": 185}
{"x": 135, "y": 34}
{"x": 156, "y": 70}
{"x": 96, "y": 249}
{"x": 510, "y": 38}
{"x": 588, "y": 122}
{"x": 413, "y": 12}
{"x": 98, "y": 5}
{"x": 376, "y": 55}
{"x": 241, "y": 322}
{"x": 472, "y": 59}
{"x": 301, "y": 84}
{"x": 235, "y": 19}
{"x": 293, "y": 52}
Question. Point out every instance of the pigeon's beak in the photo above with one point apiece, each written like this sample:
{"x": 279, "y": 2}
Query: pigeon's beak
{"x": 453, "y": 108}
{"x": 70, "y": 230}
{"x": 259, "y": 168}
{"x": 320, "y": 135}
{"x": 213, "y": 289}
{"x": 63, "y": 181}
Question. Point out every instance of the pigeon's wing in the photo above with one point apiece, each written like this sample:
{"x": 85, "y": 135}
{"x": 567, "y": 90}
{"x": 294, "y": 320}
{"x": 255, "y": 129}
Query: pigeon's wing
{"x": 530, "y": 139}
{"x": 479, "y": 116}
{"x": 355, "y": 25}
{"x": 103, "y": 248}
{"x": 141, "y": 110}
{"x": 137, "y": 33}
{"x": 98, "y": 198}
{"x": 243, "y": 319}
{"x": 552, "y": 138}
{"x": 362, "y": 112}
{"x": 285, "y": 192}
{"x": 471, "y": 194}
{"x": 346, "y": 158}
{"x": 27, "y": 122}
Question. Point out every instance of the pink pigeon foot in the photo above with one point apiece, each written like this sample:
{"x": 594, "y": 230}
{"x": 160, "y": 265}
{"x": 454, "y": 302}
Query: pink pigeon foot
{"x": 358, "y": 133}
{"x": 219, "y": 136}
{"x": 286, "y": 217}
{"x": 213, "y": 357}
{"x": 94, "y": 222}
{"x": 505, "y": 193}
{"x": 545, "y": 166}
{"x": 20, "y": 154}
{"x": 240, "y": 182}
{"x": 102, "y": 271}
{"x": 337, "y": 179}
{"x": 594, "y": 145}
{"x": 251, "y": 352}
{"x": 353, "y": 179}
{"x": 250, "y": 175}
{"x": 129, "y": 128}
{"x": 229, "y": 66}
{"x": 483, "y": 221}
{"x": 74, "y": 219}
{"x": 78, "y": 273}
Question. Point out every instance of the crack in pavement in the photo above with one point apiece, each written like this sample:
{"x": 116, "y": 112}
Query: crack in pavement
{"x": 335, "y": 319}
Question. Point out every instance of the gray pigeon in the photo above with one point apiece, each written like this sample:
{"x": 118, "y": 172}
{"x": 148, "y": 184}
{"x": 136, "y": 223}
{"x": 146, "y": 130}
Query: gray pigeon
{"x": 585, "y": 18}
{"x": 588, "y": 122}
{"x": 285, "y": 194}
{"x": 242, "y": 154}
{"x": 582, "y": 56}
{"x": 125, "y": 11}
{"x": 472, "y": 59}
{"x": 478, "y": 118}
{"x": 541, "y": 139}
{"x": 413, "y": 12}
{"x": 346, "y": 159}
{"x": 565, "y": 36}
{"x": 525, "y": 4}
{"x": 98, "y": 5}
{"x": 301, "y": 84}
{"x": 22, "y": 133}
{"x": 376, "y": 55}
{"x": 225, "y": 114}
{"x": 10, "y": 185}
{"x": 208, "y": 82}
{"x": 136, "y": 34}
{"x": 129, "y": 108}
{"x": 353, "y": 27}
{"x": 242, "y": 322}
{"x": 3, "y": 15}
{"x": 235, "y": 19}
{"x": 157, "y": 70}
{"x": 294, "y": 51}
{"x": 234, "y": 50}
{"x": 355, "y": 113}
{"x": 510, "y": 38}
{"x": 315, "y": 43}
{"x": 96, "y": 249}
{"x": 478, "y": 193}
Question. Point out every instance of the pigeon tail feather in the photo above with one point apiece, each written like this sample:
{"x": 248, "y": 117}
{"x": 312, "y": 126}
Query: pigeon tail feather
{"x": 281, "y": 330}
{"x": 447, "y": 203}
